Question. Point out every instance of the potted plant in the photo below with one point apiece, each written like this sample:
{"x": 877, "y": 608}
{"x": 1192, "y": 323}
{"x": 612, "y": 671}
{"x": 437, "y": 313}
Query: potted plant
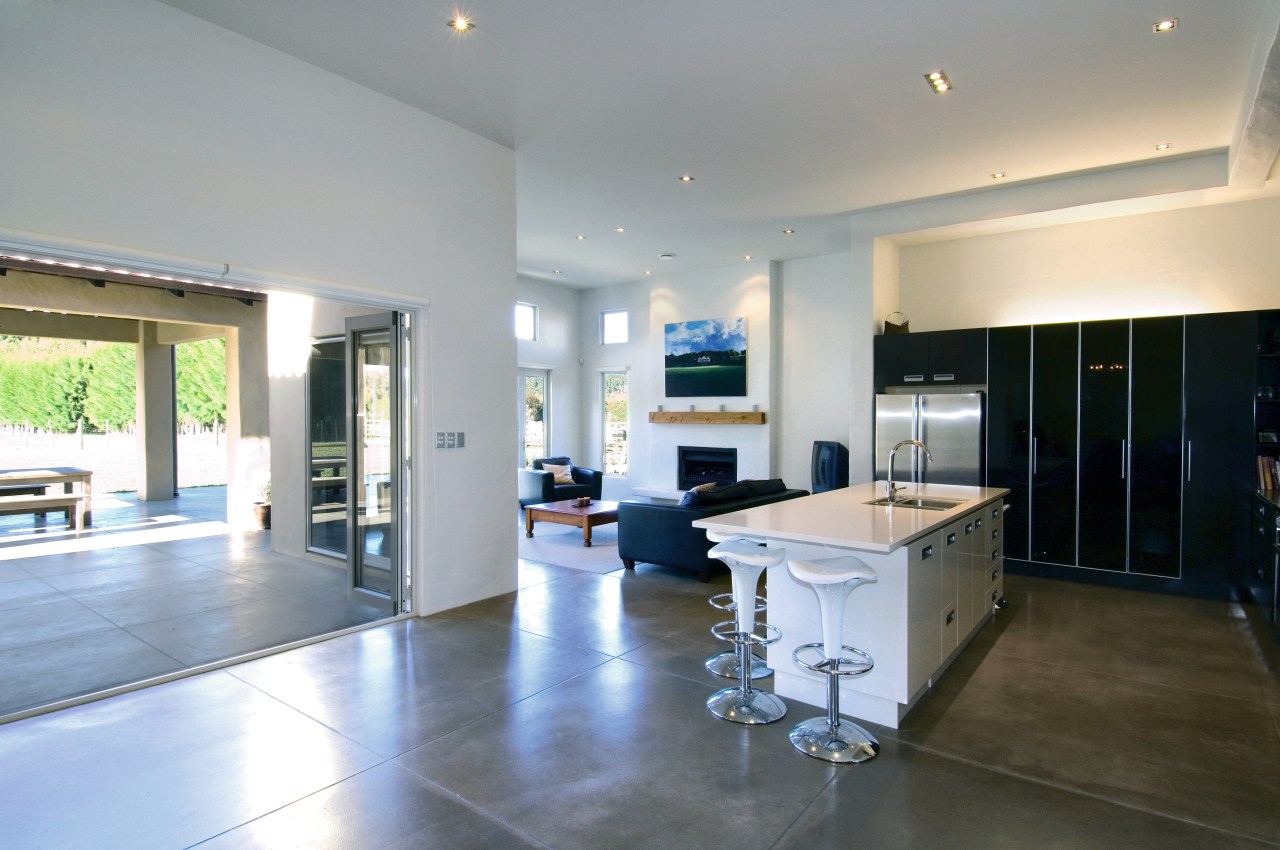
{"x": 262, "y": 508}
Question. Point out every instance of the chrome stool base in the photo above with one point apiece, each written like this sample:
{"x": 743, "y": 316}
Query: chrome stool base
{"x": 753, "y": 707}
{"x": 847, "y": 743}
{"x": 726, "y": 664}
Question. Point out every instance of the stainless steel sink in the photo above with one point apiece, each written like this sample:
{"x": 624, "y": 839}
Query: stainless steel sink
{"x": 918, "y": 502}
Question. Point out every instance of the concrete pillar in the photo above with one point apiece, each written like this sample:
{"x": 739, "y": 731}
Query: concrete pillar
{"x": 157, "y": 428}
{"x": 248, "y": 418}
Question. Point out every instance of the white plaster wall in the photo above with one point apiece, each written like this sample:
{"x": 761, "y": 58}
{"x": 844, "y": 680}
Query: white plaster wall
{"x": 813, "y": 399}
{"x": 145, "y": 130}
{"x": 637, "y": 358}
{"x": 556, "y": 349}
{"x": 721, "y": 293}
{"x": 1195, "y": 260}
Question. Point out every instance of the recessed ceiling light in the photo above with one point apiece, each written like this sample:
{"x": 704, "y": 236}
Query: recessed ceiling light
{"x": 938, "y": 81}
{"x": 666, "y": 256}
{"x": 1164, "y": 26}
{"x": 788, "y": 231}
{"x": 746, "y": 256}
{"x": 556, "y": 271}
{"x": 580, "y": 237}
{"x": 998, "y": 175}
{"x": 1164, "y": 146}
{"x": 685, "y": 178}
{"x": 619, "y": 230}
{"x": 648, "y": 271}
{"x": 461, "y": 23}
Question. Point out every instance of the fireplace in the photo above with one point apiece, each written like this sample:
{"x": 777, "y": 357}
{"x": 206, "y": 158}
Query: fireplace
{"x": 703, "y": 465}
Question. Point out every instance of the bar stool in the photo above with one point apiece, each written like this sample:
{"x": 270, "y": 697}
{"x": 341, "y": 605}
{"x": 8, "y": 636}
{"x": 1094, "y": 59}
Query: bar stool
{"x": 744, "y": 704}
{"x": 830, "y": 738}
{"x": 726, "y": 663}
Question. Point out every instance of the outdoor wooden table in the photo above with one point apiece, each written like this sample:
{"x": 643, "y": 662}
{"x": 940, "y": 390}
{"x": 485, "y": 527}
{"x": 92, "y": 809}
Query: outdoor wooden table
{"x": 68, "y": 476}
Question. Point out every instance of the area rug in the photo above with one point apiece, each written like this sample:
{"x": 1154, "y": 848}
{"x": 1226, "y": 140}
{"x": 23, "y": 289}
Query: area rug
{"x": 562, "y": 545}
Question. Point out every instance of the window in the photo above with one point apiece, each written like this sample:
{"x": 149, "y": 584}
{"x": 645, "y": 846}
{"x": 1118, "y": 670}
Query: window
{"x": 615, "y": 422}
{"x": 613, "y": 326}
{"x": 526, "y": 321}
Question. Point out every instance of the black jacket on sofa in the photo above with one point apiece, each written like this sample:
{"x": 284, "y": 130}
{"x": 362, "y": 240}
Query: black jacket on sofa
{"x": 653, "y": 533}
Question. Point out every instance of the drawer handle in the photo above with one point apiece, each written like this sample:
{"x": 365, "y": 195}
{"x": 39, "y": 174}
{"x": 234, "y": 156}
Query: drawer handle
{"x": 951, "y": 538}
{"x": 977, "y": 523}
{"x": 995, "y": 574}
{"x": 926, "y": 553}
{"x": 995, "y": 534}
{"x": 995, "y": 512}
{"x": 995, "y": 595}
{"x": 995, "y": 553}
{"x": 913, "y": 379}
{"x": 945, "y": 376}
{"x": 968, "y": 528}
{"x": 951, "y": 617}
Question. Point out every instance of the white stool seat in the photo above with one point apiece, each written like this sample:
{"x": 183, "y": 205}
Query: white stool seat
{"x": 832, "y": 570}
{"x": 722, "y": 536}
{"x": 747, "y": 553}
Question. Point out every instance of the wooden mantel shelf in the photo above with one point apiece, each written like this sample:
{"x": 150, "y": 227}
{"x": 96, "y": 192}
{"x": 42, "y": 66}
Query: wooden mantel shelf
{"x": 708, "y": 417}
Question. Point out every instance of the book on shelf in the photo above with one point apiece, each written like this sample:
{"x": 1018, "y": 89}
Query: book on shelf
{"x": 1268, "y": 472}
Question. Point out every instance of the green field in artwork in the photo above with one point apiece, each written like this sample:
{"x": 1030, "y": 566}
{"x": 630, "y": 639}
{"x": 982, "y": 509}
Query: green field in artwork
{"x": 730, "y": 380}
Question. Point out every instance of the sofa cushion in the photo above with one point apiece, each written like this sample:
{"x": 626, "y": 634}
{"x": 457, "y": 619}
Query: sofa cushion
{"x": 537, "y": 462}
{"x": 727, "y": 493}
{"x": 561, "y": 473}
{"x": 764, "y": 487}
{"x": 695, "y": 494}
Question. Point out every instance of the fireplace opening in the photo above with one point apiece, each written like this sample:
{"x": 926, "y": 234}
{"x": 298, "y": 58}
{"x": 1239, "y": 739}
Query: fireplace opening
{"x": 704, "y": 465}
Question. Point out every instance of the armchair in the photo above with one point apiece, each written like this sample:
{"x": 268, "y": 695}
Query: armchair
{"x": 538, "y": 486}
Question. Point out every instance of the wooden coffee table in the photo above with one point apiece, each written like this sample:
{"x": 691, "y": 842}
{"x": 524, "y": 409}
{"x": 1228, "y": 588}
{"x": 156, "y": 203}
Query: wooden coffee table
{"x": 568, "y": 513}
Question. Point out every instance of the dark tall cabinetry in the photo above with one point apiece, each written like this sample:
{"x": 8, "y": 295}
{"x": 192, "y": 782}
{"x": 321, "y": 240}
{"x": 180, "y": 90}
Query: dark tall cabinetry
{"x": 1054, "y": 387}
{"x": 1155, "y": 446}
{"x": 934, "y": 358}
{"x": 1104, "y": 437}
{"x": 1009, "y": 430}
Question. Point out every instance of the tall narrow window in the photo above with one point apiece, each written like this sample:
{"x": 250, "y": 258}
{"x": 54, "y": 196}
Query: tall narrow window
{"x": 613, "y": 326}
{"x": 615, "y": 423}
{"x": 526, "y": 321}
{"x": 532, "y": 391}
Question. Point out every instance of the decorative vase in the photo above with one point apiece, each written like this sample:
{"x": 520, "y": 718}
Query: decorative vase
{"x": 262, "y": 513}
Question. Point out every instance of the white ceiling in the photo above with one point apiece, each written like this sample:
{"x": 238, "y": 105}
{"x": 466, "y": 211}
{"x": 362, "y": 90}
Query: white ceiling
{"x": 788, "y": 115}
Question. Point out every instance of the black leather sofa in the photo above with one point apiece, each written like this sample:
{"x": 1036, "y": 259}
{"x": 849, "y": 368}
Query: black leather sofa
{"x": 537, "y": 486}
{"x": 654, "y": 533}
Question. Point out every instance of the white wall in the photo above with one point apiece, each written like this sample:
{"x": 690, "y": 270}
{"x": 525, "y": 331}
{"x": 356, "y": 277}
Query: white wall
{"x": 145, "y": 130}
{"x": 633, "y": 356}
{"x": 1196, "y": 260}
{"x": 557, "y": 349}
{"x": 813, "y": 401}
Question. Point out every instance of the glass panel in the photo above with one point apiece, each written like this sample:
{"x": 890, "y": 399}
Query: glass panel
{"x": 1104, "y": 431}
{"x": 326, "y": 400}
{"x": 526, "y": 321}
{"x": 615, "y": 423}
{"x": 373, "y": 484}
{"x": 534, "y": 423}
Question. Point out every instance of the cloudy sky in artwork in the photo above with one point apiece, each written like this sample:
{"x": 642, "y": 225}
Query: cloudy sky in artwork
{"x": 706, "y": 335}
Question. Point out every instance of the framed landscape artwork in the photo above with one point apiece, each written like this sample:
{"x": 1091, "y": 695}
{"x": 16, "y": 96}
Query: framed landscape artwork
{"x": 706, "y": 358}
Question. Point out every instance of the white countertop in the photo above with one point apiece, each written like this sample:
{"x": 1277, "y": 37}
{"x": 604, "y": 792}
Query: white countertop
{"x": 841, "y": 517}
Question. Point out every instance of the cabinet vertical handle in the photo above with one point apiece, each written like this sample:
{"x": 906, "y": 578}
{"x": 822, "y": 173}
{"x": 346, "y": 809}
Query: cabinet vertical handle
{"x": 1188, "y": 460}
{"x": 1122, "y": 463}
{"x": 1035, "y": 455}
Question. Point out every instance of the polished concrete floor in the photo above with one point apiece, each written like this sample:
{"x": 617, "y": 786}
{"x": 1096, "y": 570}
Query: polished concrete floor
{"x": 570, "y": 715}
{"x": 149, "y": 589}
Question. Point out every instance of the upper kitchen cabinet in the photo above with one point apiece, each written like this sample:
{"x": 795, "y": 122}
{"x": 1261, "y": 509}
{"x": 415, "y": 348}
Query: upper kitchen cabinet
{"x": 1267, "y": 408}
{"x": 1219, "y": 467}
{"x": 957, "y": 357}
{"x": 1054, "y": 396}
{"x": 1009, "y": 429}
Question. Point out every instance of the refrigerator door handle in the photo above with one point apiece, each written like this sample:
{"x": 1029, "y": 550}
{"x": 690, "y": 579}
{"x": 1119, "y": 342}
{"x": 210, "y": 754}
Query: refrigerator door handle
{"x": 1188, "y": 460}
{"x": 1122, "y": 463}
{"x": 1035, "y": 455}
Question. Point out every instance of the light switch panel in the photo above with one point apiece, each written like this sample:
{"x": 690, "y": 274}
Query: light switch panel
{"x": 439, "y": 439}
{"x": 462, "y": 439}
{"x": 450, "y": 439}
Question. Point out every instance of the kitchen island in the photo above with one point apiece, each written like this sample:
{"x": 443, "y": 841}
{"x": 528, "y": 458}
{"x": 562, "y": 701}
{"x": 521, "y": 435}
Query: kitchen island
{"x": 940, "y": 572}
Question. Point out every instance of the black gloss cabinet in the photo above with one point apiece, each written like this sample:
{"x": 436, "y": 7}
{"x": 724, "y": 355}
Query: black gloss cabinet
{"x": 1104, "y": 435}
{"x": 1054, "y": 387}
{"x": 1155, "y": 448}
{"x": 957, "y": 357}
{"x": 1009, "y": 429}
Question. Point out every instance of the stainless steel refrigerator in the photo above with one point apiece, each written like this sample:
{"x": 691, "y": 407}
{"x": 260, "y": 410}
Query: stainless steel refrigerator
{"x": 950, "y": 424}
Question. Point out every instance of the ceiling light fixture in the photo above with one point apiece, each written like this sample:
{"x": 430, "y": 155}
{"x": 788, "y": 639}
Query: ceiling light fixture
{"x": 788, "y": 231}
{"x": 938, "y": 81}
{"x": 666, "y": 256}
{"x": 685, "y": 178}
{"x": 1164, "y": 146}
{"x": 556, "y": 271}
{"x": 1164, "y": 26}
{"x": 746, "y": 256}
{"x": 619, "y": 230}
{"x": 648, "y": 271}
{"x": 461, "y": 23}
{"x": 998, "y": 175}
{"x": 580, "y": 237}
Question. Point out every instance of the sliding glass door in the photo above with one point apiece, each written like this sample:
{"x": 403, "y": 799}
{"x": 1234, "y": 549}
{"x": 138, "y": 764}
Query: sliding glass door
{"x": 377, "y": 443}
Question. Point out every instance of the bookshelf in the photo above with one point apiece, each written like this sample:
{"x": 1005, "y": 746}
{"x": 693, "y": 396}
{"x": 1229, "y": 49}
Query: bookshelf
{"x": 1266, "y": 405}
